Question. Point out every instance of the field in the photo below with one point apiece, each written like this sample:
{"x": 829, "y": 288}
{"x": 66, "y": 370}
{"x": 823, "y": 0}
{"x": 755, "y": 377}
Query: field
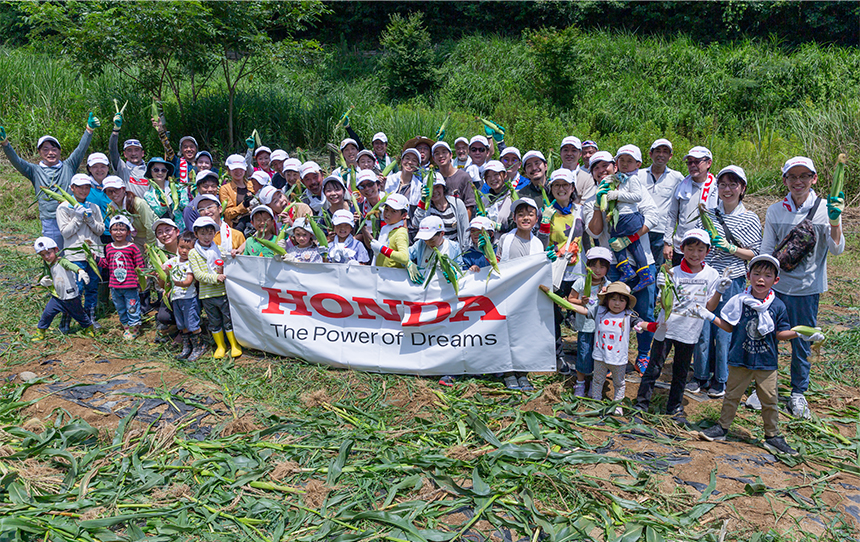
{"x": 118, "y": 441}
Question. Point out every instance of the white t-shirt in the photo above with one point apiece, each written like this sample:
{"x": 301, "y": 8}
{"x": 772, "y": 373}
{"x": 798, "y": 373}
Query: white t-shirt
{"x": 179, "y": 271}
{"x": 612, "y": 336}
{"x": 683, "y": 325}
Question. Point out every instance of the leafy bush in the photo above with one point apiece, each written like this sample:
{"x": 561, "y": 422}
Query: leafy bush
{"x": 408, "y": 60}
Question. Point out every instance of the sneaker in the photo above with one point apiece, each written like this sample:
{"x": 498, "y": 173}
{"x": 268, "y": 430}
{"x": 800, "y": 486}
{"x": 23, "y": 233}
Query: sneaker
{"x": 714, "y": 433}
{"x": 798, "y": 406}
{"x": 693, "y": 386}
{"x": 511, "y": 382}
{"x": 618, "y": 411}
{"x": 778, "y": 445}
{"x": 642, "y": 364}
{"x": 753, "y": 402}
{"x": 718, "y": 389}
{"x": 128, "y": 335}
{"x": 524, "y": 384}
{"x": 579, "y": 389}
{"x": 447, "y": 381}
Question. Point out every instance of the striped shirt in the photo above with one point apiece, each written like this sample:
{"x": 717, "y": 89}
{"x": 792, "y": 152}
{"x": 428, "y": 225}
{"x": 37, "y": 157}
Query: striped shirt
{"x": 449, "y": 221}
{"x": 121, "y": 263}
{"x": 207, "y": 279}
{"x": 745, "y": 228}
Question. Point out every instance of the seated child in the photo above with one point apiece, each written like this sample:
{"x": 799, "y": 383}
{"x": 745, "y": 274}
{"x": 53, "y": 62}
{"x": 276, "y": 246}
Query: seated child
{"x": 392, "y": 246}
{"x": 628, "y": 193}
{"x": 613, "y": 319}
{"x": 598, "y": 260}
{"x": 757, "y": 319}
{"x": 343, "y": 246}
{"x": 474, "y": 258}
{"x": 61, "y": 277}
{"x": 183, "y": 299}
{"x": 263, "y": 220}
{"x": 208, "y": 268}
{"x": 122, "y": 259}
{"x": 301, "y": 246}
{"x": 431, "y": 234}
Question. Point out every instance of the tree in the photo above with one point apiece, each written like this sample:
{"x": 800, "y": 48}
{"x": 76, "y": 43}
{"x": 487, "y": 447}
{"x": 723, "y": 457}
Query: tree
{"x": 409, "y": 56}
{"x": 173, "y": 46}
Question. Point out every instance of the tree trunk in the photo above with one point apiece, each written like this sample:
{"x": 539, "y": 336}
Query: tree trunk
{"x": 230, "y": 116}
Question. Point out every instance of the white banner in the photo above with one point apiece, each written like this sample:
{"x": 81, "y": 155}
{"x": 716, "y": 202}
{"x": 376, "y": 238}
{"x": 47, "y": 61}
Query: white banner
{"x": 375, "y": 319}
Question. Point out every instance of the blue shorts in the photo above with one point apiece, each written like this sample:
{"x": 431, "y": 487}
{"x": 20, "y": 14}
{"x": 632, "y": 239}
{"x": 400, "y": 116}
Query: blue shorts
{"x": 186, "y": 312}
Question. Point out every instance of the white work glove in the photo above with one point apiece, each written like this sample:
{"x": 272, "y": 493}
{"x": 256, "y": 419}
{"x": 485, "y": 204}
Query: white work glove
{"x": 612, "y": 195}
{"x": 46, "y": 281}
{"x": 660, "y": 334}
{"x": 83, "y": 276}
{"x": 80, "y": 210}
{"x": 814, "y": 338}
{"x": 724, "y": 285}
{"x": 703, "y": 313}
{"x": 376, "y": 246}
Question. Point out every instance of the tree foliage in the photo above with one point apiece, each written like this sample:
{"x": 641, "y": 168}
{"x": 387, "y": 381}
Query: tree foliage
{"x": 408, "y": 59}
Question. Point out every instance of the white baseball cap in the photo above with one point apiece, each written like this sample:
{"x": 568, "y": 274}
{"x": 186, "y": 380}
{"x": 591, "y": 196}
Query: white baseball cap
{"x": 698, "y": 234}
{"x": 365, "y": 152}
{"x": 411, "y": 150}
{"x": 165, "y": 221}
{"x": 44, "y": 243}
{"x": 206, "y": 174}
{"x": 481, "y": 223}
{"x": 81, "y": 179}
{"x": 279, "y": 154}
{"x": 533, "y": 154}
{"x": 765, "y": 258}
{"x": 494, "y": 165}
{"x": 511, "y": 150}
{"x": 120, "y": 219}
{"x": 300, "y": 223}
{"x": 112, "y": 181}
{"x": 571, "y": 140}
{"x": 236, "y": 161}
{"x": 45, "y": 138}
{"x": 348, "y": 141}
{"x": 187, "y": 138}
{"x": 342, "y": 217}
{"x": 267, "y": 194}
{"x": 699, "y": 152}
{"x": 439, "y": 180}
{"x": 630, "y": 150}
{"x": 439, "y": 144}
{"x": 733, "y": 169}
{"x": 524, "y": 201}
{"x": 461, "y": 140}
{"x": 601, "y": 156}
{"x": 131, "y": 143}
{"x": 589, "y": 143}
{"x": 363, "y": 176}
{"x": 97, "y": 158}
{"x": 561, "y": 174}
{"x": 261, "y": 177}
{"x": 479, "y": 139}
{"x": 292, "y": 164}
{"x": 204, "y": 221}
{"x": 262, "y": 209}
{"x": 206, "y": 197}
{"x": 309, "y": 167}
{"x": 429, "y": 226}
{"x": 398, "y": 202}
{"x": 335, "y": 179}
{"x": 379, "y": 136}
{"x": 660, "y": 143}
{"x": 598, "y": 253}
{"x": 262, "y": 149}
{"x": 798, "y": 161}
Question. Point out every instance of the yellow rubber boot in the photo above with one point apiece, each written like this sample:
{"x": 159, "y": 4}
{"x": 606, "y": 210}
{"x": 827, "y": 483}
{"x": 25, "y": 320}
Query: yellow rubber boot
{"x": 38, "y": 336}
{"x": 235, "y": 350}
{"x": 221, "y": 351}
{"x": 90, "y": 332}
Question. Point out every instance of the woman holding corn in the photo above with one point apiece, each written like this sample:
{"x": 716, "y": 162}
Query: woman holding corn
{"x": 134, "y": 208}
{"x": 164, "y": 197}
{"x": 736, "y": 237}
{"x": 50, "y": 172}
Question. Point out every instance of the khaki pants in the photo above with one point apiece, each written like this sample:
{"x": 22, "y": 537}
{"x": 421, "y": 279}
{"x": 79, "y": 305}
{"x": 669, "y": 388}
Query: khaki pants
{"x": 738, "y": 382}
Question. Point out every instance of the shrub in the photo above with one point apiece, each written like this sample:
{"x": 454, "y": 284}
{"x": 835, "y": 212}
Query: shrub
{"x": 408, "y": 59}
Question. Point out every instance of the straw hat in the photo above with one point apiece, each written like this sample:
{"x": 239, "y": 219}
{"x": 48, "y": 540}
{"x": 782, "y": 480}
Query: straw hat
{"x": 618, "y": 288}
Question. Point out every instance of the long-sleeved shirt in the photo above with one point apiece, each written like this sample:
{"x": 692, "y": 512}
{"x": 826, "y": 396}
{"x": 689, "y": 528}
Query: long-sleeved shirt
{"x": 397, "y": 240}
{"x": 662, "y": 189}
{"x": 160, "y": 210}
{"x": 78, "y": 230}
{"x": 207, "y": 278}
{"x": 132, "y": 174}
{"x": 810, "y": 275}
{"x": 745, "y": 228}
{"x": 628, "y": 193}
{"x": 121, "y": 263}
{"x": 59, "y": 175}
{"x": 684, "y": 208}
{"x": 64, "y": 277}
{"x": 646, "y": 207}
{"x": 234, "y": 208}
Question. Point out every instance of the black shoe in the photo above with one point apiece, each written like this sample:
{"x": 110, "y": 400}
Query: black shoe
{"x": 198, "y": 347}
{"x": 714, "y": 433}
{"x": 186, "y": 347}
{"x": 778, "y": 445}
{"x": 524, "y": 383}
{"x": 693, "y": 386}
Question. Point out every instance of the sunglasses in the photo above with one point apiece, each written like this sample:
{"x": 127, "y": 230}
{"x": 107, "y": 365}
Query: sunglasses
{"x": 159, "y": 170}
{"x": 478, "y": 149}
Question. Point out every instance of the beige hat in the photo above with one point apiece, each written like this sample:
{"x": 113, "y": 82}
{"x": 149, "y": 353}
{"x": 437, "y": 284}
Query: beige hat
{"x": 618, "y": 288}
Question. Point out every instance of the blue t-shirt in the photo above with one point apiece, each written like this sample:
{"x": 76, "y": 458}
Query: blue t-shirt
{"x": 473, "y": 256}
{"x": 98, "y": 197}
{"x": 521, "y": 182}
{"x": 751, "y": 349}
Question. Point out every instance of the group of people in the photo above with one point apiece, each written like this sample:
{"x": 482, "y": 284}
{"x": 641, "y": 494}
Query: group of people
{"x": 675, "y": 258}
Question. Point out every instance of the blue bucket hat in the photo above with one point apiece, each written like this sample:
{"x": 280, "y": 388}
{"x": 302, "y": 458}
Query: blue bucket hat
{"x": 158, "y": 160}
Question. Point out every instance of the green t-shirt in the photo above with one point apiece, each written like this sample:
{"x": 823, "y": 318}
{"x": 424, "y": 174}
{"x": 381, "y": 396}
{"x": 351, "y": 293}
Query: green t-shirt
{"x": 253, "y": 247}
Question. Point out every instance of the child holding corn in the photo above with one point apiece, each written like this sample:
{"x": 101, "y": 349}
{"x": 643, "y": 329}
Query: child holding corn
{"x": 474, "y": 257}
{"x": 131, "y": 170}
{"x": 391, "y": 248}
{"x": 301, "y": 246}
{"x": 597, "y": 262}
{"x": 237, "y": 194}
{"x": 122, "y": 260}
{"x": 343, "y": 247}
{"x": 61, "y": 277}
{"x": 497, "y": 198}
{"x": 183, "y": 299}
{"x": 263, "y": 220}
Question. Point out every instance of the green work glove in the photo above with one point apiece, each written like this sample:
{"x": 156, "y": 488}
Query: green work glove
{"x": 497, "y": 135}
{"x": 250, "y": 143}
{"x": 550, "y": 253}
{"x": 440, "y": 135}
{"x": 724, "y": 245}
{"x": 546, "y": 215}
{"x": 617, "y": 244}
{"x": 344, "y": 119}
{"x": 117, "y": 121}
{"x": 425, "y": 191}
{"x": 3, "y": 138}
{"x": 482, "y": 242}
{"x": 93, "y": 121}
{"x": 414, "y": 275}
{"x": 835, "y": 206}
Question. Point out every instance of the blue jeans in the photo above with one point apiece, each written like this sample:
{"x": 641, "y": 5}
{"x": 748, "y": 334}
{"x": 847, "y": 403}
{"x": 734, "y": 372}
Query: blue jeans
{"x": 802, "y": 311}
{"x": 56, "y": 306}
{"x": 91, "y": 290}
{"x": 644, "y": 308}
{"x": 127, "y": 304}
{"x": 52, "y": 230}
{"x": 628, "y": 225}
{"x": 718, "y": 342}
{"x": 656, "y": 241}
{"x": 584, "y": 348}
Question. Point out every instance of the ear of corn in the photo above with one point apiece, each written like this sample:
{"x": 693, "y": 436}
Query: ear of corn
{"x": 546, "y": 202}
{"x": 807, "y": 331}
{"x": 707, "y": 223}
{"x": 838, "y": 176}
{"x": 162, "y": 197}
{"x": 372, "y": 211}
{"x": 141, "y": 279}
{"x": 318, "y": 233}
{"x": 589, "y": 276}
{"x": 389, "y": 168}
{"x": 490, "y": 124}
{"x": 68, "y": 197}
{"x": 449, "y": 269}
{"x": 440, "y": 133}
{"x": 479, "y": 201}
{"x": 174, "y": 193}
{"x": 667, "y": 293}
{"x": 154, "y": 110}
{"x": 514, "y": 195}
{"x": 256, "y": 135}
{"x": 562, "y": 302}
{"x": 57, "y": 196}
{"x": 273, "y": 245}
{"x": 489, "y": 253}
{"x": 91, "y": 261}
{"x": 352, "y": 180}
{"x": 281, "y": 234}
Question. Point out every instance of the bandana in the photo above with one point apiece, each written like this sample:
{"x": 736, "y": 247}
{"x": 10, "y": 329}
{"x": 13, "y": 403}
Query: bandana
{"x": 733, "y": 309}
{"x": 789, "y": 205}
{"x": 685, "y": 190}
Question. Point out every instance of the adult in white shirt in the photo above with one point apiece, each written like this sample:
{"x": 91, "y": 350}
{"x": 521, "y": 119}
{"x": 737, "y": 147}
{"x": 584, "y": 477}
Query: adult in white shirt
{"x": 661, "y": 182}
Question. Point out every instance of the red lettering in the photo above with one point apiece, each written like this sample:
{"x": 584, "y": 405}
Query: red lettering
{"x": 477, "y": 303}
{"x": 443, "y": 310}
{"x": 346, "y": 309}
{"x": 296, "y": 298}
{"x": 366, "y": 304}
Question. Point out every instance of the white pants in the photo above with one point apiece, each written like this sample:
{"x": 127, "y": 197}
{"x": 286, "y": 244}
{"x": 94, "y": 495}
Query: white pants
{"x": 618, "y": 383}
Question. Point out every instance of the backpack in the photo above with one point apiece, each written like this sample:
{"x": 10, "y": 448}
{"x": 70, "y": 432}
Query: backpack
{"x": 799, "y": 242}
